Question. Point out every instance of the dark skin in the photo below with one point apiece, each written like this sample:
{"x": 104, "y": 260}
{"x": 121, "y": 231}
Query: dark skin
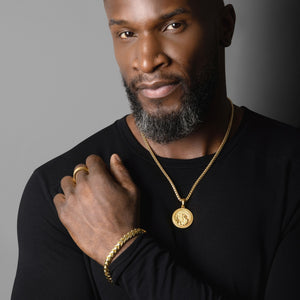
{"x": 153, "y": 47}
{"x": 148, "y": 36}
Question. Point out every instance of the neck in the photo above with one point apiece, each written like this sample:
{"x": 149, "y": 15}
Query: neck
{"x": 204, "y": 141}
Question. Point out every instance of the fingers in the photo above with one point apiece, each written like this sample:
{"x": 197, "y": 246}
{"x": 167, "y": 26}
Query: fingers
{"x": 68, "y": 185}
{"x": 98, "y": 170}
{"x": 120, "y": 173}
{"x": 59, "y": 200}
{"x": 80, "y": 173}
{"x": 97, "y": 167}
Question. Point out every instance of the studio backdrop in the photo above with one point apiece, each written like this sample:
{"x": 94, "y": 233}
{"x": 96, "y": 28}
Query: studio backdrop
{"x": 60, "y": 84}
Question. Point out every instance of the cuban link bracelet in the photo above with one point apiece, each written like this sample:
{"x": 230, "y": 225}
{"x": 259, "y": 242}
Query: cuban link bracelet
{"x": 183, "y": 217}
{"x": 125, "y": 238}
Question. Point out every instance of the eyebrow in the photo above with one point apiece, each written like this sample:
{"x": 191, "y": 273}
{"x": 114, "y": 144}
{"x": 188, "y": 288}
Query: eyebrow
{"x": 177, "y": 11}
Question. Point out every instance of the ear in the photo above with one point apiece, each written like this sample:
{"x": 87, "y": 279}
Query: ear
{"x": 227, "y": 24}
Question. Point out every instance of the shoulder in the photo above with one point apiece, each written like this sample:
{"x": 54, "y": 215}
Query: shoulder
{"x": 102, "y": 143}
{"x": 270, "y": 137}
{"x": 270, "y": 153}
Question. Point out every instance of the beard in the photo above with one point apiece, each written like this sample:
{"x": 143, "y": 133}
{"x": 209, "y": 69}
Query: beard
{"x": 165, "y": 127}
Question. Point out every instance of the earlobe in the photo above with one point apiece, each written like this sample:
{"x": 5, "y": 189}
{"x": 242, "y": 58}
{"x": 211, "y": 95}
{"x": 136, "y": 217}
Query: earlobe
{"x": 228, "y": 18}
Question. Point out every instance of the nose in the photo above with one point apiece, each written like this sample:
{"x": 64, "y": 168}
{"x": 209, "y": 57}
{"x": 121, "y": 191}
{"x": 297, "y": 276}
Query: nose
{"x": 150, "y": 55}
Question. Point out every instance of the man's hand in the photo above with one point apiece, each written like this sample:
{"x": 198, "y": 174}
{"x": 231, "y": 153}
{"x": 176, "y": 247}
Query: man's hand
{"x": 100, "y": 207}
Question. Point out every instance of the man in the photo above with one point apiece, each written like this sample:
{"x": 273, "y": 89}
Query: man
{"x": 216, "y": 187}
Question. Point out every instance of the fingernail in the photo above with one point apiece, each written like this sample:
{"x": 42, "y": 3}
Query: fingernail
{"x": 117, "y": 157}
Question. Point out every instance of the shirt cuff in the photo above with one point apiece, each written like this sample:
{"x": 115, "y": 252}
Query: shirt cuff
{"x": 120, "y": 263}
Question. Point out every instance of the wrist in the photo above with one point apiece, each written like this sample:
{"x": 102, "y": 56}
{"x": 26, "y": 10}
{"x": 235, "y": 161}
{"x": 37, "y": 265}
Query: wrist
{"x": 119, "y": 248}
{"x": 123, "y": 249}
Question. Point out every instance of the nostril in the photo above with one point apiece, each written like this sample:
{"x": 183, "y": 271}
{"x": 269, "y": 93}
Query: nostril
{"x": 150, "y": 63}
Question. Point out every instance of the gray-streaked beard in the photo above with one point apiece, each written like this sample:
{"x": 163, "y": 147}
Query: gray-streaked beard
{"x": 163, "y": 127}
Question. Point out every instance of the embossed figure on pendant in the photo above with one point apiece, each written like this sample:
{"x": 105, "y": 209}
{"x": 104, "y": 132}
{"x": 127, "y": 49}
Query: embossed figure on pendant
{"x": 182, "y": 218}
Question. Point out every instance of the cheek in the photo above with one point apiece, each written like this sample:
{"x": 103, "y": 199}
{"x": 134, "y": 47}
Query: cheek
{"x": 189, "y": 56}
{"x": 124, "y": 58}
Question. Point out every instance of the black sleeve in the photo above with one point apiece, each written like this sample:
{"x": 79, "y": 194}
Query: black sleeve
{"x": 147, "y": 271}
{"x": 50, "y": 264}
{"x": 284, "y": 278}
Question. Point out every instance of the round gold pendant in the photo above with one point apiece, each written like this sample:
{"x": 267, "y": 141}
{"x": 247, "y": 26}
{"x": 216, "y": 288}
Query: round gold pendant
{"x": 182, "y": 218}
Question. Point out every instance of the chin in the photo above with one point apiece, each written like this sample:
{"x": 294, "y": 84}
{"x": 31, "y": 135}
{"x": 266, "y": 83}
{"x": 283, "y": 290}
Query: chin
{"x": 171, "y": 118}
{"x": 162, "y": 110}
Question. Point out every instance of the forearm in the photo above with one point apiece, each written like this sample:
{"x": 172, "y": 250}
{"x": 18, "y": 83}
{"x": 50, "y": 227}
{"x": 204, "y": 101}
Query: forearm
{"x": 147, "y": 271}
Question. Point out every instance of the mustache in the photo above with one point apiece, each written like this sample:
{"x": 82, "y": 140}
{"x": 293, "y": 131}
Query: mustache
{"x": 144, "y": 78}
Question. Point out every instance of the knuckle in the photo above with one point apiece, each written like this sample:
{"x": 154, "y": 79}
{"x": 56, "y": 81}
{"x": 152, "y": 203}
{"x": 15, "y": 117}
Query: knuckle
{"x": 58, "y": 199}
{"x": 92, "y": 159}
{"x": 79, "y": 165}
{"x": 64, "y": 180}
{"x": 95, "y": 163}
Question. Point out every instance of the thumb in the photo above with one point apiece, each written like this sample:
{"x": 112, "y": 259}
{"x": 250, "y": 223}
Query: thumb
{"x": 120, "y": 173}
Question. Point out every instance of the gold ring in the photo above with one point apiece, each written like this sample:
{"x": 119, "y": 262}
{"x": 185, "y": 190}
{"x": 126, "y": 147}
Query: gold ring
{"x": 78, "y": 169}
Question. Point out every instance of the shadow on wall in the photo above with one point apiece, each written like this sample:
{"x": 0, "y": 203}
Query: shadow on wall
{"x": 266, "y": 58}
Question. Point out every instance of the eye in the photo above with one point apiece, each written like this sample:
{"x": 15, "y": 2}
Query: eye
{"x": 174, "y": 26}
{"x": 126, "y": 34}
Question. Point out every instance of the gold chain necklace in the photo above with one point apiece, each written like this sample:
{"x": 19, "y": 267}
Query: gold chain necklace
{"x": 183, "y": 217}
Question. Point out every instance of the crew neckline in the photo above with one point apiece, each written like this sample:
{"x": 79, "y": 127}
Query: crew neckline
{"x": 143, "y": 153}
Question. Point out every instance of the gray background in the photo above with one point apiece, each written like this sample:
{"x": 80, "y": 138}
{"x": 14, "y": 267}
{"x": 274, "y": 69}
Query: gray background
{"x": 59, "y": 84}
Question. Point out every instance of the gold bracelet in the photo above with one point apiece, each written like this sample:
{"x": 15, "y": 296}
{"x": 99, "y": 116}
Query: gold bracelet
{"x": 129, "y": 235}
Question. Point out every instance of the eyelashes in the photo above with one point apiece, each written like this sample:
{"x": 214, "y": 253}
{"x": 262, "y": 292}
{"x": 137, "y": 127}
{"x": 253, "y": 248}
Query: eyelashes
{"x": 125, "y": 35}
{"x": 174, "y": 27}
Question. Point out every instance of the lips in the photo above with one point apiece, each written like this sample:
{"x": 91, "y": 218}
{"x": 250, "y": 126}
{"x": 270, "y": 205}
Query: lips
{"x": 158, "y": 89}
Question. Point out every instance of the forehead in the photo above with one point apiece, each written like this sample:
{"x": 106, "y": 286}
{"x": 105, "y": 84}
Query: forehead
{"x": 142, "y": 10}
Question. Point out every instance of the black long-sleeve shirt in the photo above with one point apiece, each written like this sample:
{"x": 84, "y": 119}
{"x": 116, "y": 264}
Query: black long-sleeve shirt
{"x": 244, "y": 242}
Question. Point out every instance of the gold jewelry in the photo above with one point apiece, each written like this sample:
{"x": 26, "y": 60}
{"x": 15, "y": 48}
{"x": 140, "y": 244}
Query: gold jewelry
{"x": 126, "y": 237}
{"x": 78, "y": 169}
{"x": 183, "y": 217}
